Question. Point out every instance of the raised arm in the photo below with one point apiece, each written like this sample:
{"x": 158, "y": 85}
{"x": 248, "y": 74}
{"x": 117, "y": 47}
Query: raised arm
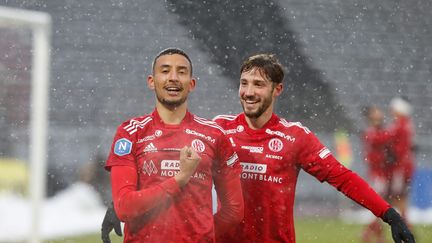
{"x": 129, "y": 202}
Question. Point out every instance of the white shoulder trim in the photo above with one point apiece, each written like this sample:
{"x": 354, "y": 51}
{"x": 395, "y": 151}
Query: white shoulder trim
{"x": 208, "y": 123}
{"x": 225, "y": 117}
{"x": 297, "y": 124}
{"x": 133, "y": 125}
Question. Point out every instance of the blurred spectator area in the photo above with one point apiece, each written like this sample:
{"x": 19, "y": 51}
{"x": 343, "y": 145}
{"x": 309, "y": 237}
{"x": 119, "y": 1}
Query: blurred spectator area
{"x": 13, "y": 176}
{"x": 341, "y": 55}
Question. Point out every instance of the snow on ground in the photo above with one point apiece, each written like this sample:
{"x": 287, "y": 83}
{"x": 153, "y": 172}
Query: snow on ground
{"x": 363, "y": 216}
{"x": 76, "y": 210}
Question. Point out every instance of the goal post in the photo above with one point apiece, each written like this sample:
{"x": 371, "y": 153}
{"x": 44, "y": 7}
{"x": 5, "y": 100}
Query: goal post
{"x": 40, "y": 26}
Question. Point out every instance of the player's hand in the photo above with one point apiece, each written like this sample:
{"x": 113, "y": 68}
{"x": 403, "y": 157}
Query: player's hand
{"x": 110, "y": 222}
{"x": 399, "y": 229}
{"x": 189, "y": 161}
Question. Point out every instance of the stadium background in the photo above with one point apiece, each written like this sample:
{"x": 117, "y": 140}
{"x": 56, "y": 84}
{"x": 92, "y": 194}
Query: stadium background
{"x": 342, "y": 55}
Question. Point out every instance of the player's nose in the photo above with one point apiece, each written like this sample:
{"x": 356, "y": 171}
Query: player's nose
{"x": 173, "y": 76}
{"x": 249, "y": 90}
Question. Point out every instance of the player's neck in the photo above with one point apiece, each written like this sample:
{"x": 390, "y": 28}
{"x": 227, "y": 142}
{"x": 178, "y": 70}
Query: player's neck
{"x": 259, "y": 122}
{"x": 172, "y": 116}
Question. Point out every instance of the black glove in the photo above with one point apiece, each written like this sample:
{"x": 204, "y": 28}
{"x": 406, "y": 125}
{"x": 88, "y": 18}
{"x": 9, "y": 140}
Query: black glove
{"x": 110, "y": 221}
{"x": 399, "y": 229}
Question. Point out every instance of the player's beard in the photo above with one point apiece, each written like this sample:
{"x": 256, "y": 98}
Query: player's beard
{"x": 170, "y": 104}
{"x": 265, "y": 104}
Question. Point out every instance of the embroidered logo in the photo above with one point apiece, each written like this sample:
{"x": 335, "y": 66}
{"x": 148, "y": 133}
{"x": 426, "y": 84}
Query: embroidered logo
{"x": 122, "y": 147}
{"x": 198, "y": 145}
{"x": 150, "y": 148}
{"x": 275, "y": 145}
{"x": 149, "y": 168}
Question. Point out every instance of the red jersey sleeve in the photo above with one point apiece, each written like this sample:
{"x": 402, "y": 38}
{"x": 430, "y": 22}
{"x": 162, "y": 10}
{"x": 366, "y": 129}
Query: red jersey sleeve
{"x": 122, "y": 149}
{"x": 318, "y": 161}
{"x": 226, "y": 176}
{"x": 129, "y": 202}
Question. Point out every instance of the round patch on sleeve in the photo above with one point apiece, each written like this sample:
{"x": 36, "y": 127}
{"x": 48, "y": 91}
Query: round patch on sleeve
{"x": 122, "y": 147}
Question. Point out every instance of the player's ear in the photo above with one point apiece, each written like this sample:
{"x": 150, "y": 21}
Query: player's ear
{"x": 278, "y": 89}
{"x": 192, "y": 84}
{"x": 150, "y": 82}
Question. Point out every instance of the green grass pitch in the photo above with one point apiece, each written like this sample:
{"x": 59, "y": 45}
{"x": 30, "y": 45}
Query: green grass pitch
{"x": 321, "y": 230}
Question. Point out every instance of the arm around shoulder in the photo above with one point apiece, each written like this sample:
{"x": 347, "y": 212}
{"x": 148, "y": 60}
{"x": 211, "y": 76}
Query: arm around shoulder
{"x": 232, "y": 205}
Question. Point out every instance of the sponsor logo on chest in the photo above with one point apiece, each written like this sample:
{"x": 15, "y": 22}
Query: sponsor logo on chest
{"x": 195, "y": 133}
{"x": 281, "y": 134}
{"x": 156, "y": 134}
{"x": 273, "y": 156}
{"x": 258, "y": 172}
{"x": 253, "y": 149}
{"x": 170, "y": 168}
{"x": 239, "y": 128}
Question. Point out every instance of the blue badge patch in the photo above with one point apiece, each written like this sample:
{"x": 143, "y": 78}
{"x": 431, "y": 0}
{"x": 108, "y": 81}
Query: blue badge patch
{"x": 122, "y": 147}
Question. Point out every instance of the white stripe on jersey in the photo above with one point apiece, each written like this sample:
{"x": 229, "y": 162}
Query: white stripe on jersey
{"x": 323, "y": 153}
{"x": 134, "y": 125}
{"x": 208, "y": 123}
{"x": 297, "y": 124}
{"x": 231, "y": 160}
{"x": 225, "y": 117}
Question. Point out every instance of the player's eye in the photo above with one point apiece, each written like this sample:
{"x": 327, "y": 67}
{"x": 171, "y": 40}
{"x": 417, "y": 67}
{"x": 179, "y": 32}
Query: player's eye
{"x": 260, "y": 84}
{"x": 182, "y": 71}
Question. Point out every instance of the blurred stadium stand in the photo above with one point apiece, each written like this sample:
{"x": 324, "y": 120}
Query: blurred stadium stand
{"x": 341, "y": 55}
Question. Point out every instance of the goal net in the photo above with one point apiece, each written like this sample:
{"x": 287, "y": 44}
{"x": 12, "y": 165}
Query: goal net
{"x": 24, "y": 75}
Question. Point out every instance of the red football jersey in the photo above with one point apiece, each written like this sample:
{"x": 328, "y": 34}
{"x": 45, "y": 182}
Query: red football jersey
{"x": 402, "y": 132}
{"x": 271, "y": 158}
{"x": 376, "y": 150}
{"x": 152, "y": 148}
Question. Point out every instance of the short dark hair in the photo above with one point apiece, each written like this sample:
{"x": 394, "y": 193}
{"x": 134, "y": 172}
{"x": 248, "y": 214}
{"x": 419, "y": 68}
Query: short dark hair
{"x": 267, "y": 64}
{"x": 172, "y": 51}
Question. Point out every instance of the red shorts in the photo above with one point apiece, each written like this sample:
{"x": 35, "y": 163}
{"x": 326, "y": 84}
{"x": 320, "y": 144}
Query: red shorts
{"x": 380, "y": 184}
{"x": 399, "y": 182}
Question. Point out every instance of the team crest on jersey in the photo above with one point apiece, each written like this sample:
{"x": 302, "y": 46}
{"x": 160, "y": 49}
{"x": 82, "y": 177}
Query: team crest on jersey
{"x": 198, "y": 145}
{"x": 275, "y": 145}
{"x": 122, "y": 147}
